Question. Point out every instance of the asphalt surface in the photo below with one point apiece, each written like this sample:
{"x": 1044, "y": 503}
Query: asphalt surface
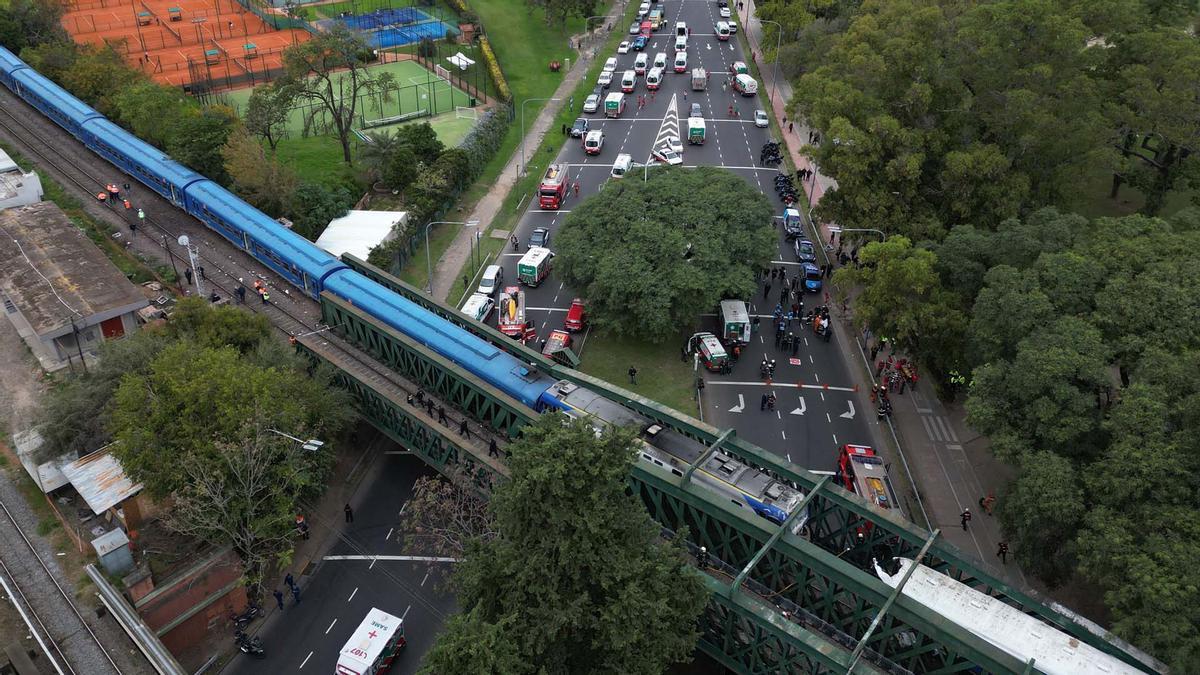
{"x": 307, "y": 636}
{"x": 814, "y": 412}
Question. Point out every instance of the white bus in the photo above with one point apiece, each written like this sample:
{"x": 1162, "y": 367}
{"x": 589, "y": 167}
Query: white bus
{"x": 373, "y": 646}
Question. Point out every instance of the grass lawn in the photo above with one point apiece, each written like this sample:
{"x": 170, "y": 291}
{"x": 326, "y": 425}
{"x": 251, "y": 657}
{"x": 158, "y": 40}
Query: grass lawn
{"x": 316, "y": 159}
{"x": 661, "y": 375}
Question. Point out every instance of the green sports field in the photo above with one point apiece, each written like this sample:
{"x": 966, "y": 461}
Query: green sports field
{"x": 418, "y": 96}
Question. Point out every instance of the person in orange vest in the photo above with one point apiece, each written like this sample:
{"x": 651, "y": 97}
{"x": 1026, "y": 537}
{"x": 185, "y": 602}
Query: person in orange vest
{"x": 102, "y": 197}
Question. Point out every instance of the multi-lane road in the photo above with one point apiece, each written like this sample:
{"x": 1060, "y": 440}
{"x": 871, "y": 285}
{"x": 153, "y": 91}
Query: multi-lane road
{"x": 817, "y": 406}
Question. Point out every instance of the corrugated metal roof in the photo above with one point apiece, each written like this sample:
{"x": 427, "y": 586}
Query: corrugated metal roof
{"x": 99, "y": 478}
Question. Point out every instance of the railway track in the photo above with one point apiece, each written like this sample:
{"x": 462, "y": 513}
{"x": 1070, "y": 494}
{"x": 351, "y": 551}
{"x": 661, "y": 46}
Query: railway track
{"x": 69, "y": 643}
{"x": 292, "y": 314}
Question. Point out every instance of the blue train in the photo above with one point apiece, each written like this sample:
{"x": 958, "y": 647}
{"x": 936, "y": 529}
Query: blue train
{"x": 312, "y": 270}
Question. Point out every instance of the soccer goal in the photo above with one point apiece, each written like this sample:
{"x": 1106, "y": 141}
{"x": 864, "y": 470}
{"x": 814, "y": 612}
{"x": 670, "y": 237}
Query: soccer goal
{"x": 441, "y": 72}
{"x": 463, "y": 112}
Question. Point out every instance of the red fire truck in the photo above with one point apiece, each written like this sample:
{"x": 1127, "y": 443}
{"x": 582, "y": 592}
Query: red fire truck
{"x": 862, "y": 472}
{"x": 555, "y": 184}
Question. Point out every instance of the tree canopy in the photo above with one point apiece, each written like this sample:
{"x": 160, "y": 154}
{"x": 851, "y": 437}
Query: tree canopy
{"x": 582, "y": 582}
{"x": 650, "y": 256}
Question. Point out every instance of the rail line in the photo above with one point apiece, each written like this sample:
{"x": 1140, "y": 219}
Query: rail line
{"x": 53, "y": 646}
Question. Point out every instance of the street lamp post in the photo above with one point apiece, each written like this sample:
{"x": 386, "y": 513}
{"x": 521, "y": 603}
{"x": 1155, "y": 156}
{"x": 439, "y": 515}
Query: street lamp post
{"x": 523, "y": 127}
{"x": 311, "y": 445}
{"x": 775, "y": 68}
{"x": 429, "y": 257}
{"x": 835, "y": 228}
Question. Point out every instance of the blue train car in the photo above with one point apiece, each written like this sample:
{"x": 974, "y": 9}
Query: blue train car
{"x": 476, "y": 355}
{"x": 9, "y": 63}
{"x": 53, "y": 101}
{"x": 139, "y": 159}
{"x": 291, "y": 256}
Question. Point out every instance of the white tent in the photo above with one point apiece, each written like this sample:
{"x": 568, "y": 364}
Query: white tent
{"x": 358, "y": 232}
{"x": 461, "y": 61}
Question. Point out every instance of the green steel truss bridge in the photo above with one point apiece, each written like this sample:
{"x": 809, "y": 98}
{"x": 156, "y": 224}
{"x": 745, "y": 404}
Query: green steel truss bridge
{"x": 779, "y": 602}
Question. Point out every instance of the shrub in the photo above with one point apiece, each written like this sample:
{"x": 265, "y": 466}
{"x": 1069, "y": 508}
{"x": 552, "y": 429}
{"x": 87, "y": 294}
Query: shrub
{"x": 484, "y": 140}
{"x": 502, "y": 89}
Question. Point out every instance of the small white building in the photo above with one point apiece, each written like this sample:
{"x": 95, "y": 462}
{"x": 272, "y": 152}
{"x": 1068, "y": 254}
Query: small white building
{"x": 358, "y": 232}
{"x": 17, "y": 188}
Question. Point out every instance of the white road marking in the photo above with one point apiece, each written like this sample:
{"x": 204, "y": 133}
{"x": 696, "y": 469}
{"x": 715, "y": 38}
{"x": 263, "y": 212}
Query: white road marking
{"x": 801, "y": 410}
{"x": 355, "y": 592}
{"x": 402, "y": 507}
{"x": 330, "y": 627}
{"x": 785, "y": 385}
{"x": 849, "y": 414}
{"x": 740, "y": 406}
{"x": 389, "y": 534}
{"x": 547, "y": 309}
{"x": 405, "y": 614}
{"x": 828, "y": 419}
{"x": 784, "y": 434}
{"x": 425, "y": 579}
{"x": 404, "y": 558}
{"x": 835, "y": 439}
{"x": 305, "y": 660}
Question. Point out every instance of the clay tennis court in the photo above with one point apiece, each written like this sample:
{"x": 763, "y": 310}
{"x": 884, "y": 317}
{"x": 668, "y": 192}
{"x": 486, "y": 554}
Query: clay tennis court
{"x": 182, "y": 42}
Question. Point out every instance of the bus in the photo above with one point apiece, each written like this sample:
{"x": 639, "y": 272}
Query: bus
{"x": 862, "y": 472}
{"x": 373, "y": 646}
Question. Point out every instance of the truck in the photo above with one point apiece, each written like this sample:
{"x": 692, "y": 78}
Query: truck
{"x": 552, "y": 191}
{"x": 533, "y": 267}
{"x": 656, "y": 18}
{"x": 512, "y": 312}
{"x": 696, "y": 130}
{"x": 614, "y": 104}
{"x": 699, "y": 79}
{"x": 735, "y": 321}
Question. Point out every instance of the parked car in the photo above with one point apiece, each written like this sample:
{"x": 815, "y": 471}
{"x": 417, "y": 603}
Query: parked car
{"x": 580, "y": 127}
{"x": 493, "y": 279}
{"x": 674, "y": 144}
{"x": 592, "y": 103}
{"x": 732, "y": 26}
{"x": 724, "y": 12}
{"x": 805, "y": 251}
{"x": 635, "y": 27}
{"x": 623, "y": 48}
{"x": 760, "y": 119}
{"x": 539, "y": 237}
{"x": 611, "y": 64}
{"x": 605, "y": 79}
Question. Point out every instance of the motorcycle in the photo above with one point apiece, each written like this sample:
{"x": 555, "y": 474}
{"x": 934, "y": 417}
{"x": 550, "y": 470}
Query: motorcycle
{"x": 242, "y": 620}
{"x": 249, "y": 645}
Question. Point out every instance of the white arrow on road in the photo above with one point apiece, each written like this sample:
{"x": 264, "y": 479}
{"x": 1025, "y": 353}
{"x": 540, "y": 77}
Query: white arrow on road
{"x": 740, "y": 406}
{"x": 849, "y": 415}
{"x": 801, "y": 409}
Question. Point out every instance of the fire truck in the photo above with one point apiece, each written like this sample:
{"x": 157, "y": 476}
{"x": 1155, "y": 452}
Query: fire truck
{"x": 553, "y": 190}
{"x": 512, "y": 312}
{"x": 862, "y": 472}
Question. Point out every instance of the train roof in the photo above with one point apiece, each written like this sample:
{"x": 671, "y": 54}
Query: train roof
{"x": 75, "y": 110}
{"x": 285, "y": 244}
{"x": 476, "y": 355}
{"x": 10, "y": 62}
{"x": 143, "y": 153}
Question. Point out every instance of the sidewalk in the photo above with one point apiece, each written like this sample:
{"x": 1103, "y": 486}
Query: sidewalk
{"x": 951, "y": 464}
{"x": 448, "y": 267}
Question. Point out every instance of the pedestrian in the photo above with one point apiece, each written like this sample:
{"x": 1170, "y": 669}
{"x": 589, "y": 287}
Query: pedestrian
{"x": 778, "y": 338}
{"x": 200, "y": 272}
{"x": 187, "y": 272}
{"x": 766, "y": 289}
{"x": 774, "y": 274}
{"x": 1002, "y": 553}
{"x": 493, "y": 449}
{"x": 576, "y": 188}
{"x": 879, "y": 368}
{"x": 296, "y": 593}
{"x": 795, "y": 346}
{"x": 291, "y": 583}
{"x": 349, "y": 513}
{"x": 683, "y": 354}
{"x": 462, "y": 428}
{"x": 762, "y": 405}
{"x": 987, "y": 502}
{"x": 771, "y": 401}
{"x": 564, "y": 129}
{"x": 133, "y": 229}
{"x": 278, "y": 597}
{"x": 795, "y": 283}
{"x": 874, "y": 352}
{"x": 789, "y": 127}
{"x": 965, "y": 517}
{"x": 513, "y": 240}
{"x": 632, "y": 375}
{"x": 240, "y": 291}
{"x": 266, "y": 297}
{"x": 442, "y": 416}
{"x": 784, "y": 294}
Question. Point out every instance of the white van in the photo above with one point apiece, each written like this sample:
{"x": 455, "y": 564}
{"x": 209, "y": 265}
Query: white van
{"x": 680, "y": 29}
{"x": 681, "y": 62}
{"x": 681, "y": 43}
{"x": 745, "y": 85}
{"x": 610, "y": 65}
{"x": 478, "y": 307}
{"x": 622, "y": 165}
{"x": 493, "y": 279}
{"x": 722, "y": 30}
{"x": 654, "y": 78}
{"x": 628, "y": 81}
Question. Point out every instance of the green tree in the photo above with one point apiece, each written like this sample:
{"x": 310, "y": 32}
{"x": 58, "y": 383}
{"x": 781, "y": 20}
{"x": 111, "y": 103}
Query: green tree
{"x": 375, "y": 154}
{"x": 558, "y": 11}
{"x": 314, "y": 205}
{"x": 634, "y": 608}
{"x": 268, "y": 110}
{"x": 199, "y": 322}
{"x": 650, "y": 256}
{"x": 98, "y": 75}
{"x": 331, "y": 70}
{"x": 29, "y": 23}
{"x": 197, "y": 139}
{"x": 1009, "y": 307}
{"x": 1041, "y": 513}
{"x": 151, "y": 110}
{"x": 401, "y": 169}
{"x": 422, "y": 140}
{"x": 260, "y": 179}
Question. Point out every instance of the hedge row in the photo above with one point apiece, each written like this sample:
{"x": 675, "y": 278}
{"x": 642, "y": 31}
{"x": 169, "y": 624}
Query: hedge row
{"x": 502, "y": 89}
